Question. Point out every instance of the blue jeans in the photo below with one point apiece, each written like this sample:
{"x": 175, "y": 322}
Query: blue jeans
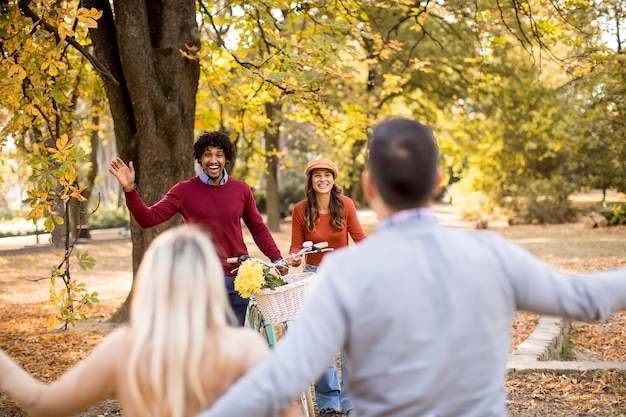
{"x": 237, "y": 303}
{"x": 329, "y": 393}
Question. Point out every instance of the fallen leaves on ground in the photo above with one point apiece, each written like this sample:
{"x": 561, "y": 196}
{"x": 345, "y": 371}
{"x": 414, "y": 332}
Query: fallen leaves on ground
{"x": 590, "y": 394}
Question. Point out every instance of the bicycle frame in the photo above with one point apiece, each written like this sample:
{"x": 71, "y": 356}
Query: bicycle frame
{"x": 255, "y": 320}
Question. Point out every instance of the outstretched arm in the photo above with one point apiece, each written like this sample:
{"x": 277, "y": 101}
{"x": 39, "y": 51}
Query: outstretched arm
{"x": 309, "y": 346}
{"x": 125, "y": 174}
{"x": 257, "y": 351}
{"x": 540, "y": 289}
{"x": 89, "y": 382}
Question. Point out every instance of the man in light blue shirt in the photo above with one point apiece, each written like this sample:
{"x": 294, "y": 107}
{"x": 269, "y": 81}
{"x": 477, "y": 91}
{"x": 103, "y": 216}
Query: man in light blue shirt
{"x": 422, "y": 311}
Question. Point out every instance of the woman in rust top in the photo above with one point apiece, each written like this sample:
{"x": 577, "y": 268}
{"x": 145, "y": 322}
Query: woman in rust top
{"x": 325, "y": 215}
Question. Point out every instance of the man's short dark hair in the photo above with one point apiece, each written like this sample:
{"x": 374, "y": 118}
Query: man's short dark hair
{"x": 216, "y": 138}
{"x": 403, "y": 162}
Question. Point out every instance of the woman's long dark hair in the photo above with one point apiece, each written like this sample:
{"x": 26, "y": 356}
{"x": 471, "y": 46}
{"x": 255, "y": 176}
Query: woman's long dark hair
{"x": 312, "y": 212}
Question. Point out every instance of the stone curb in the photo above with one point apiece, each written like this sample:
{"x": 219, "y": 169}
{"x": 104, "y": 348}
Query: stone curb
{"x": 541, "y": 350}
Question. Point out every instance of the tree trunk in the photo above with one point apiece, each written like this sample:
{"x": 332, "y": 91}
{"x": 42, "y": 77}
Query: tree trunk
{"x": 152, "y": 99}
{"x": 274, "y": 113}
{"x": 354, "y": 187}
{"x": 373, "y": 88}
{"x": 79, "y": 212}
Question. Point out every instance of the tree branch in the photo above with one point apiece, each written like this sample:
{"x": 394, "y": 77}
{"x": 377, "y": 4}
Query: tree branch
{"x": 28, "y": 12}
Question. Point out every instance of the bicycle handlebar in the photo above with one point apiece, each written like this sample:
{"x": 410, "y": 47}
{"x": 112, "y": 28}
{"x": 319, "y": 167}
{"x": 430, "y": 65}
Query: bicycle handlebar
{"x": 307, "y": 247}
{"x": 319, "y": 245}
{"x": 236, "y": 259}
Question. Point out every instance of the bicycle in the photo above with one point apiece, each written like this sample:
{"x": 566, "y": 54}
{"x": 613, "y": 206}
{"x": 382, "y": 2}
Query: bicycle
{"x": 254, "y": 316}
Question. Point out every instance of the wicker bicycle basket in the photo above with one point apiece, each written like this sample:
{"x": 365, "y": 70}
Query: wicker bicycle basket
{"x": 282, "y": 303}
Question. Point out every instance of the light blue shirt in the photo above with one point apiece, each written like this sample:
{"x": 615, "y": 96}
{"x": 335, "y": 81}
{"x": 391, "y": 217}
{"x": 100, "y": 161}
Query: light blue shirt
{"x": 424, "y": 315}
{"x": 205, "y": 178}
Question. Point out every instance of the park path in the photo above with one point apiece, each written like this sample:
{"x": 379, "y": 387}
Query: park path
{"x": 34, "y": 242}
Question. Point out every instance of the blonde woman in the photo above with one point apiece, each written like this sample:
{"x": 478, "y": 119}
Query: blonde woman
{"x": 174, "y": 358}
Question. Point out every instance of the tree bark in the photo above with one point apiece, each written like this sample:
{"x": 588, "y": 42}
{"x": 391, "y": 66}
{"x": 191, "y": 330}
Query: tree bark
{"x": 79, "y": 212}
{"x": 373, "y": 89}
{"x": 152, "y": 98}
{"x": 274, "y": 113}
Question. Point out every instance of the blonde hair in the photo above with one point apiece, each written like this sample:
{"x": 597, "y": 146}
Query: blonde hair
{"x": 178, "y": 306}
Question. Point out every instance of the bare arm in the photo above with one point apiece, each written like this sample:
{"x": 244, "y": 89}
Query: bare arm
{"x": 89, "y": 382}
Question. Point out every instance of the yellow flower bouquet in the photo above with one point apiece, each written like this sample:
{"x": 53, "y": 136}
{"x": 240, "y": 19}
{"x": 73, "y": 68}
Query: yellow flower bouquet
{"x": 253, "y": 276}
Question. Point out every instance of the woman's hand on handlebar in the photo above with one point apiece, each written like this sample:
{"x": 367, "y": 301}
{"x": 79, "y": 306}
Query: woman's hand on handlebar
{"x": 294, "y": 260}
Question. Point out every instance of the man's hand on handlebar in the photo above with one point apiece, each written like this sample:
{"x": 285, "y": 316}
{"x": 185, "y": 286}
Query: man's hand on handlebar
{"x": 282, "y": 266}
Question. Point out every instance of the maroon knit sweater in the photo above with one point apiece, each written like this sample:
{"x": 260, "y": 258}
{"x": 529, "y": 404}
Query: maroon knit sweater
{"x": 219, "y": 208}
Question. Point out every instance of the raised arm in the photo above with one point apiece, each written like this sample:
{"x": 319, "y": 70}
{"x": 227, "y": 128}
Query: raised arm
{"x": 125, "y": 174}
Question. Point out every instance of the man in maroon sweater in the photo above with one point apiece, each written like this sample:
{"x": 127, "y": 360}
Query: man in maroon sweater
{"x": 213, "y": 199}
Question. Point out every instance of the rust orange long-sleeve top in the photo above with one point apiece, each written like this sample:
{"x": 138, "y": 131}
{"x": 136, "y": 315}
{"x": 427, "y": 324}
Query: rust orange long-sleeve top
{"x": 323, "y": 232}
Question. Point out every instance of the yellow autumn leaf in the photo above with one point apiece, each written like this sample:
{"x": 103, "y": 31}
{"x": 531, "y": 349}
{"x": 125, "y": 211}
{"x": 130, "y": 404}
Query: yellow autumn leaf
{"x": 89, "y": 17}
{"x": 63, "y": 32}
{"x": 18, "y": 71}
{"x": 88, "y": 22}
{"x": 52, "y": 69}
{"x": 93, "y": 12}
{"x": 78, "y": 196}
{"x": 63, "y": 143}
{"x": 53, "y": 321}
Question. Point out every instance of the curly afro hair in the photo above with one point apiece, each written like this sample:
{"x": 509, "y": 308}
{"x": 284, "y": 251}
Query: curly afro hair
{"x": 216, "y": 138}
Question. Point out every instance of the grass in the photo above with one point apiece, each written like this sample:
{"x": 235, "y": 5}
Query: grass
{"x": 569, "y": 240}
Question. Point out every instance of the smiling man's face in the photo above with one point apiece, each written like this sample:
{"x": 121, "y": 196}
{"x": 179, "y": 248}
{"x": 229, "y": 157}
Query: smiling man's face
{"x": 213, "y": 162}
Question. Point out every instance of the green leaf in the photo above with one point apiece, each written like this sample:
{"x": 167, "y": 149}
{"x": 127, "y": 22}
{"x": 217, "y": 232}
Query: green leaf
{"x": 85, "y": 261}
{"x": 272, "y": 281}
{"x": 58, "y": 96}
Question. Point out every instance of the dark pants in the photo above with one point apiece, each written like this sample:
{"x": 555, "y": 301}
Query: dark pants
{"x": 237, "y": 303}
